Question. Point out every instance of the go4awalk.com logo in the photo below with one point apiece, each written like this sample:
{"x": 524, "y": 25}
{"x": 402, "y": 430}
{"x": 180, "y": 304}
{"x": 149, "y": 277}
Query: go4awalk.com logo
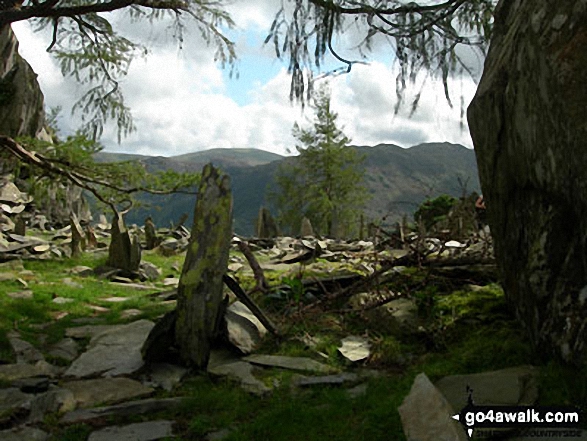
{"x": 474, "y": 417}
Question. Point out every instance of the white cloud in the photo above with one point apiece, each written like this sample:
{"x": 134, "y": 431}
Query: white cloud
{"x": 181, "y": 103}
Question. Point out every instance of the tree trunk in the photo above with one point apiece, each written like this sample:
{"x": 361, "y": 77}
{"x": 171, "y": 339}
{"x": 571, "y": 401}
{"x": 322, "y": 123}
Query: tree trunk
{"x": 529, "y": 128}
{"x": 199, "y": 294}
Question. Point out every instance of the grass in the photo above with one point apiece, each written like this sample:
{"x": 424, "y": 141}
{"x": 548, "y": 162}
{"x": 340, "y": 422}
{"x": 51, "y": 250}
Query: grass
{"x": 462, "y": 331}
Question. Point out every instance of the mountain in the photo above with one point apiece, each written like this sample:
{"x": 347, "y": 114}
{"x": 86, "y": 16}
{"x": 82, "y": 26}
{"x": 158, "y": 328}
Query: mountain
{"x": 397, "y": 179}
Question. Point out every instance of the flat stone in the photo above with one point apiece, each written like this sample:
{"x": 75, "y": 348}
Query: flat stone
{"x": 295, "y": 363}
{"x": 98, "y": 309}
{"x": 427, "y": 416}
{"x": 88, "y": 393}
{"x": 13, "y": 398}
{"x": 242, "y": 332}
{"x": 242, "y": 372}
{"x": 10, "y": 372}
{"x": 325, "y": 380}
{"x": 171, "y": 281}
{"x": 56, "y": 400}
{"x": 66, "y": 348}
{"x": 68, "y": 281}
{"x": 82, "y": 271}
{"x": 115, "y": 299}
{"x": 87, "y": 330}
{"x": 25, "y": 352}
{"x": 165, "y": 375}
{"x": 139, "y": 407}
{"x": 62, "y": 300}
{"x": 27, "y": 294}
{"x": 134, "y": 286}
{"x": 32, "y": 385}
{"x": 115, "y": 351}
{"x": 129, "y": 313}
{"x": 148, "y": 431}
{"x": 24, "y": 434}
{"x": 355, "y": 348}
{"x": 508, "y": 387}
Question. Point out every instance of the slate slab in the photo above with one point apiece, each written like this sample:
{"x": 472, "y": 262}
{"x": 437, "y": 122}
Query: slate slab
{"x": 165, "y": 375}
{"x": 242, "y": 372}
{"x": 115, "y": 351}
{"x": 294, "y": 363}
{"x": 106, "y": 390}
{"x": 139, "y": 407}
{"x": 25, "y": 352}
{"x": 148, "y": 431}
{"x": 426, "y": 414}
{"x": 511, "y": 386}
{"x": 13, "y": 398}
{"x": 9, "y": 372}
{"x": 24, "y": 434}
{"x": 355, "y": 348}
{"x": 54, "y": 400}
{"x": 326, "y": 380}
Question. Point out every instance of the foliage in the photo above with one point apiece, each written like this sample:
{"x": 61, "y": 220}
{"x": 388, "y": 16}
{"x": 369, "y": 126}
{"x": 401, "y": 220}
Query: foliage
{"x": 325, "y": 183}
{"x": 424, "y": 36}
{"x": 91, "y": 51}
{"x": 71, "y": 162}
{"x": 432, "y": 211}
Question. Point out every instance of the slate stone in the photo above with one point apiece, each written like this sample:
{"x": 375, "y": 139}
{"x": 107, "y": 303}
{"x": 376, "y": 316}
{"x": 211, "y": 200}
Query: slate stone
{"x": 509, "y": 387}
{"x": 165, "y": 375}
{"x": 115, "y": 351}
{"x": 106, "y": 390}
{"x": 151, "y": 271}
{"x": 66, "y": 348}
{"x": 33, "y": 385}
{"x": 24, "y": 434}
{"x": 294, "y": 363}
{"x": 10, "y": 372}
{"x": 62, "y": 300}
{"x": 86, "y": 331}
{"x": 129, "y": 313}
{"x": 68, "y": 281}
{"x": 21, "y": 295}
{"x": 242, "y": 372}
{"x": 242, "y": 332}
{"x": 13, "y": 398}
{"x": 82, "y": 271}
{"x": 148, "y": 431}
{"x": 139, "y": 407}
{"x": 427, "y": 416}
{"x": 56, "y": 400}
{"x": 355, "y": 348}
{"x": 325, "y": 380}
{"x": 24, "y": 351}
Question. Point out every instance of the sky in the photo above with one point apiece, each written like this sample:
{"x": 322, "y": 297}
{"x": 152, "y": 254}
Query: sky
{"x": 182, "y": 101}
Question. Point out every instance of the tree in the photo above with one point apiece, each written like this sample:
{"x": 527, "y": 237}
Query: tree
{"x": 527, "y": 124}
{"x": 93, "y": 53}
{"x": 324, "y": 184}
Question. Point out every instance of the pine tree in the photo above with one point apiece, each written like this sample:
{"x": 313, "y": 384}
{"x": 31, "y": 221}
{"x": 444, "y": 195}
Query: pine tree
{"x": 324, "y": 182}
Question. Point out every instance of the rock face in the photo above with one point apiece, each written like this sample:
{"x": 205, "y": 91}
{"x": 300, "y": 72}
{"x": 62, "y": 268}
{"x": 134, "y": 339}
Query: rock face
{"x": 528, "y": 125}
{"x": 21, "y": 100}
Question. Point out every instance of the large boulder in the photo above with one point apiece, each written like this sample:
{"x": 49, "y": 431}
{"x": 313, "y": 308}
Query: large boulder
{"x": 21, "y": 99}
{"x": 528, "y": 125}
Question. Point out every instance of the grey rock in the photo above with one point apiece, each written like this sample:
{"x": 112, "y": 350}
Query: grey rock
{"x": 87, "y": 330}
{"x": 151, "y": 271}
{"x": 24, "y": 434}
{"x": 294, "y": 363}
{"x": 68, "y": 281}
{"x": 427, "y": 416}
{"x": 512, "y": 386}
{"x": 325, "y": 380}
{"x": 124, "y": 409}
{"x": 13, "y": 398}
{"x": 115, "y": 351}
{"x": 82, "y": 271}
{"x": 22, "y": 295}
{"x": 25, "y": 352}
{"x": 358, "y": 391}
{"x": 88, "y": 393}
{"x": 10, "y": 372}
{"x": 32, "y": 385}
{"x": 56, "y": 400}
{"x": 62, "y": 300}
{"x": 355, "y": 348}
{"x": 242, "y": 372}
{"x": 242, "y": 332}
{"x": 66, "y": 349}
{"x": 165, "y": 375}
{"x": 129, "y": 313}
{"x": 148, "y": 431}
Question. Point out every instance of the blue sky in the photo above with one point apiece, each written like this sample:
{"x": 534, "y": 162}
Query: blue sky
{"x": 183, "y": 102}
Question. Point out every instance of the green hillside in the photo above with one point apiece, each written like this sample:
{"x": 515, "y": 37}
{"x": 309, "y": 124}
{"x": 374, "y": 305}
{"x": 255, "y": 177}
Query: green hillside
{"x": 398, "y": 180}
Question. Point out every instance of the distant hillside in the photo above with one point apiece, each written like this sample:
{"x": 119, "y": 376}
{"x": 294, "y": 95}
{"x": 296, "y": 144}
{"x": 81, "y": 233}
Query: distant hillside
{"x": 397, "y": 179}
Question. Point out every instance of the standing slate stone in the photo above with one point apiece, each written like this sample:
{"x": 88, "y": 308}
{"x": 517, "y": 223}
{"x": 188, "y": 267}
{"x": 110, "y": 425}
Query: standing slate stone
{"x": 150, "y": 234}
{"x": 306, "y": 228}
{"x": 528, "y": 126}
{"x": 199, "y": 295}
{"x": 124, "y": 252}
{"x": 78, "y": 237}
{"x": 266, "y": 226}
